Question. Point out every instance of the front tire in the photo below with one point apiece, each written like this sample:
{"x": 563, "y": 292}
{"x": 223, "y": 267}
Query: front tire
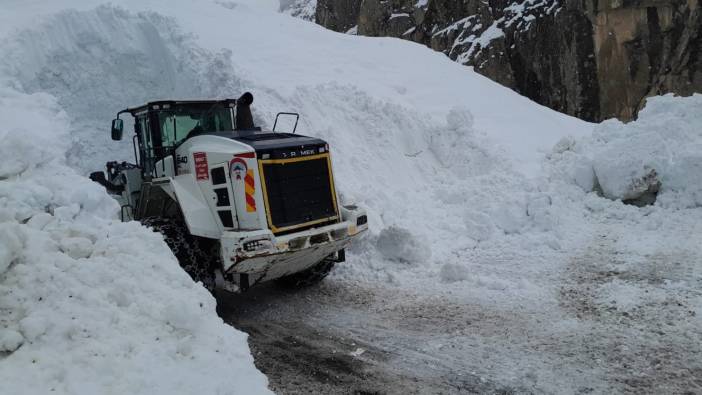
{"x": 192, "y": 252}
{"x": 309, "y": 277}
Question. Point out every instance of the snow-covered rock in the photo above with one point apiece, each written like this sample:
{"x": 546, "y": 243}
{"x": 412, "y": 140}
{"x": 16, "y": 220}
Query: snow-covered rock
{"x": 304, "y": 9}
{"x": 626, "y": 169}
{"x": 659, "y": 153}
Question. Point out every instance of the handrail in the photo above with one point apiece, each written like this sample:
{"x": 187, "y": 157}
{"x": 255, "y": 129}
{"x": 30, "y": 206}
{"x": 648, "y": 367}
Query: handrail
{"x": 296, "y": 115}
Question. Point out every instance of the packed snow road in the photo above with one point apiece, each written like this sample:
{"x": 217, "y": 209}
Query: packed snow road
{"x": 342, "y": 338}
{"x": 346, "y": 337}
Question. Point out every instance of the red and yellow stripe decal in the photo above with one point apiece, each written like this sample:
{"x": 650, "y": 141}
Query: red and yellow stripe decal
{"x": 250, "y": 189}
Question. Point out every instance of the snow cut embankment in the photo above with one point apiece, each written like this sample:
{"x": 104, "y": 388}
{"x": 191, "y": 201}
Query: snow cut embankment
{"x": 89, "y": 304}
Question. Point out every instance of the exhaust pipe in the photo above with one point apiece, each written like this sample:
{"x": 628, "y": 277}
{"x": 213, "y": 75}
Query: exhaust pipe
{"x": 244, "y": 119}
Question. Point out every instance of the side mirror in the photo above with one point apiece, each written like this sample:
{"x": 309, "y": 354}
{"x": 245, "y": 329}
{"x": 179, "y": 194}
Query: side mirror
{"x": 117, "y": 129}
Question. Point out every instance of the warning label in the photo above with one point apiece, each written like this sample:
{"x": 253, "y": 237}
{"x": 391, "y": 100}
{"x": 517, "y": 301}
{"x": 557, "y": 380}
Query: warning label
{"x": 202, "y": 172}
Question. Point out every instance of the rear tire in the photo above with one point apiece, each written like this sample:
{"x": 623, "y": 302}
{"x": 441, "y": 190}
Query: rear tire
{"x": 192, "y": 252}
{"x": 309, "y": 277}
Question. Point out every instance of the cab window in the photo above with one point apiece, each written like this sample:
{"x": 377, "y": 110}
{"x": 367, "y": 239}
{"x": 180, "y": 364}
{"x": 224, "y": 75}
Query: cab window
{"x": 186, "y": 121}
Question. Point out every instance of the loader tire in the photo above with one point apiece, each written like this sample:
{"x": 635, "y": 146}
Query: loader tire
{"x": 194, "y": 257}
{"x": 310, "y": 276}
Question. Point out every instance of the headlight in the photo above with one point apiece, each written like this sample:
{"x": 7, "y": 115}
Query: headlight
{"x": 257, "y": 245}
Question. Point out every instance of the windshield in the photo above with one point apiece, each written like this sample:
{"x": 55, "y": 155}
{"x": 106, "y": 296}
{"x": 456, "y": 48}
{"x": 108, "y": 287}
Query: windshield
{"x": 186, "y": 121}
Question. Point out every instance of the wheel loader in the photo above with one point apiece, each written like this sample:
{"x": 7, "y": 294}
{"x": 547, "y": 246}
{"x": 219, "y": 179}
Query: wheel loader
{"x": 238, "y": 205}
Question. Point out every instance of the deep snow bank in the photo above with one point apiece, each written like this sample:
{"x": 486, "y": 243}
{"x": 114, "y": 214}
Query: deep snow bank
{"x": 89, "y": 304}
{"x": 100, "y": 61}
{"x": 665, "y": 141}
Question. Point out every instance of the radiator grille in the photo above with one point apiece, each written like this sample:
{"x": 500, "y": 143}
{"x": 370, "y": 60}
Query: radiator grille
{"x": 299, "y": 192}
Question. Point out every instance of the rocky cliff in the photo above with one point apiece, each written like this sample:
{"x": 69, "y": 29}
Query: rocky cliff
{"x": 593, "y": 59}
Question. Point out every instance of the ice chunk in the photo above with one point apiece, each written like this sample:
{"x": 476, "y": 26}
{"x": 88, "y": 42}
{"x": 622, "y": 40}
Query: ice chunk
{"x": 40, "y": 220}
{"x": 33, "y": 326}
{"x": 479, "y": 226}
{"x": 460, "y": 118}
{"x": 453, "y": 272}
{"x": 510, "y": 218}
{"x": 10, "y": 340}
{"x": 398, "y": 244}
{"x": 11, "y": 244}
{"x": 584, "y": 175}
{"x": 77, "y": 247}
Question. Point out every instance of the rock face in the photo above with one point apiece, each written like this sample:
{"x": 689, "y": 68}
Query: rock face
{"x": 594, "y": 59}
{"x": 338, "y": 15}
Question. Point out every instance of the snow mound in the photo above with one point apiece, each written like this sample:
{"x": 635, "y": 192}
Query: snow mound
{"x": 660, "y": 152}
{"x": 304, "y": 9}
{"x": 454, "y": 272}
{"x": 89, "y": 304}
{"x": 400, "y": 245}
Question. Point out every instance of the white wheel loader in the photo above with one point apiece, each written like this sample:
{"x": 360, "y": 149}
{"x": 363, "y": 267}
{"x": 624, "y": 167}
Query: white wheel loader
{"x": 237, "y": 205}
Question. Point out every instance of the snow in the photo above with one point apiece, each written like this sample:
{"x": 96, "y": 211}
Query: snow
{"x": 400, "y": 245}
{"x": 474, "y": 193}
{"x": 89, "y": 304}
{"x": 477, "y": 43}
{"x": 303, "y": 9}
{"x": 399, "y": 15}
{"x": 666, "y": 139}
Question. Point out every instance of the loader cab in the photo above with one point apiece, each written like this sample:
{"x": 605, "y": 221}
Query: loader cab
{"x": 160, "y": 127}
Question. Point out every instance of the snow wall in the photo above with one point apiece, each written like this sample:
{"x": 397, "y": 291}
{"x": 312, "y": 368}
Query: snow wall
{"x": 88, "y": 304}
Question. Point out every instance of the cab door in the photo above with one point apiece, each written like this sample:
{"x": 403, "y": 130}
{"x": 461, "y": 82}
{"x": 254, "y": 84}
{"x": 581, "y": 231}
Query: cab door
{"x": 221, "y": 197}
{"x": 146, "y": 146}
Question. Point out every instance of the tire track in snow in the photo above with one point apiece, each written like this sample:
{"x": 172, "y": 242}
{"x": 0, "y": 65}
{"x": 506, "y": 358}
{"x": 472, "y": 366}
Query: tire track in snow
{"x": 634, "y": 328}
{"x": 352, "y": 339}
